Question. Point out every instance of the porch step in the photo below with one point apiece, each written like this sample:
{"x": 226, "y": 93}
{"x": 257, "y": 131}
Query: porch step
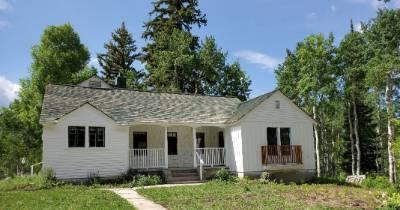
{"x": 183, "y": 175}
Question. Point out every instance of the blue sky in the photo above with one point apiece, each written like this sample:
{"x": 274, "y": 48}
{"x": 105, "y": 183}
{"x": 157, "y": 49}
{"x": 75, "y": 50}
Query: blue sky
{"x": 255, "y": 32}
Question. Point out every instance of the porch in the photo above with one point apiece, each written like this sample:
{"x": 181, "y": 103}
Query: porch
{"x": 157, "y": 147}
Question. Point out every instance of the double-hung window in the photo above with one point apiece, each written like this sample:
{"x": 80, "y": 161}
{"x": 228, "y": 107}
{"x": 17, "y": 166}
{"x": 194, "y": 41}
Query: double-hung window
{"x": 76, "y": 136}
{"x": 96, "y": 137}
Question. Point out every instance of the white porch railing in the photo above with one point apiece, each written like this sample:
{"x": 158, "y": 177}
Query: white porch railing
{"x": 211, "y": 156}
{"x": 147, "y": 158}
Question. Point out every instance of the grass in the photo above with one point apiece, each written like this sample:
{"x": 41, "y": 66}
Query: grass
{"x": 254, "y": 195}
{"x": 36, "y": 193}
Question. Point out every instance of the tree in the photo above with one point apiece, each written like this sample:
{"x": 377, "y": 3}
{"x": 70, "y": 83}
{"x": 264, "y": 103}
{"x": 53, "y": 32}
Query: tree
{"x": 59, "y": 58}
{"x": 234, "y": 82}
{"x": 352, "y": 59}
{"x": 383, "y": 35}
{"x": 119, "y": 58}
{"x": 167, "y": 16}
{"x": 308, "y": 76}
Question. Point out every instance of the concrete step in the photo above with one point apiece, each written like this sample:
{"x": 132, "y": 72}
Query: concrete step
{"x": 186, "y": 182}
{"x": 182, "y": 174}
{"x": 182, "y": 179}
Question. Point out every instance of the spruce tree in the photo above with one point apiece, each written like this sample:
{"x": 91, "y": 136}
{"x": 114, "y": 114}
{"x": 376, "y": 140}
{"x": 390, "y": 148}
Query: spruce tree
{"x": 119, "y": 58}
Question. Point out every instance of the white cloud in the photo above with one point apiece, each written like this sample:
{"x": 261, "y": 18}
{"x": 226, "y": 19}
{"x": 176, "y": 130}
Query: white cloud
{"x": 357, "y": 27}
{"x": 375, "y": 4}
{"x": 311, "y": 16}
{"x": 8, "y": 91}
{"x": 4, "y": 5}
{"x": 263, "y": 60}
{"x": 333, "y": 8}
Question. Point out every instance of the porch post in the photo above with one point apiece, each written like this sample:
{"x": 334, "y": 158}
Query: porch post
{"x": 166, "y": 147}
{"x": 194, "y": 147}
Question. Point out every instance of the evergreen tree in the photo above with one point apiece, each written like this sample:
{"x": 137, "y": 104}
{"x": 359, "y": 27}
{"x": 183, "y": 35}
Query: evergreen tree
{"x": 119, "y": 58}
{"x": 234, "y": 82}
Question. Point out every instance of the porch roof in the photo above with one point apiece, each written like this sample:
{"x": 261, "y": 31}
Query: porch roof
{"x": 129, "y": 106}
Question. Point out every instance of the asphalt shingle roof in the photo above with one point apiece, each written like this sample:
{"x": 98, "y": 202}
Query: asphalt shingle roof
{"x": 129, "y": 106}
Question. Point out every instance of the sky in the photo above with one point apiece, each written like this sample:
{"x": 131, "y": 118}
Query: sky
{"x": 254, "y": 32}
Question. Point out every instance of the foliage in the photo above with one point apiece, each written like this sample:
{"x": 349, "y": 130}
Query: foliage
{"x": 252, "y": 194}
{"x": 119, "y": 59}
{"x": 265, "y": 177}
{"x": 224, "y": 175}
{"x": 393, "y": 201}
{"x": 378, "y": 182}
{"x": 145, "y": 180}
{"x": 63, "y": 197}
{"x": 44, "y": 180}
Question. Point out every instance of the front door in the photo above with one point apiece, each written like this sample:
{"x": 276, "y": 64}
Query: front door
{"x": 173, "y": 158}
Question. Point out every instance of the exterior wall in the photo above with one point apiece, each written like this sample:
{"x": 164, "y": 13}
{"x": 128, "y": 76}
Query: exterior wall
{"x": 254, "y": 132}
{"x": 71, "y": 163}
{"x": 155, "y": 139}
{"x": 234, "y": 148}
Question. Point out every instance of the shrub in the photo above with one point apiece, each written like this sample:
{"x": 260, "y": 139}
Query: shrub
{"x": 145, "y": 180}
{"x": 393, "y": 202}
{"x": 224, "y": 176}
{"x": 378, "y": 182}
{"x": 44, "y": 180}
{"x": 265, "y": 177}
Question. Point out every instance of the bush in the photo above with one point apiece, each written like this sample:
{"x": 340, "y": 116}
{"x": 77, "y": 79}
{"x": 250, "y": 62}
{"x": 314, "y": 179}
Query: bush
{"x": 265, "y": 177}
{"x": 44, "y": 180}
{"x": 145, "y": 180}
{"x": 393, "y": 202}
{"x": 378, "y": 182}
{"x": 224, "y": 175}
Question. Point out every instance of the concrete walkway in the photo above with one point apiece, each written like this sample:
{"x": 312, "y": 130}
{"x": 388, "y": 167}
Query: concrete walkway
{"x": 137, "y": 200}
{"x": 141, "y": 202}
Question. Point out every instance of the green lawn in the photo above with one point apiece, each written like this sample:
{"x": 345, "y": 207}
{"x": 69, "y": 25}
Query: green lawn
{"x": 63, "y": 197}
{"x": 254, "y": 195}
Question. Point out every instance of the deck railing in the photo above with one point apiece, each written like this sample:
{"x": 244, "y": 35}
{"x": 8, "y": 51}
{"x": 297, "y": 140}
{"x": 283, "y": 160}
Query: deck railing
{"x": 211, "y": 156}
{"x": 146, "y": 158}
{"x": 281, "y": 154}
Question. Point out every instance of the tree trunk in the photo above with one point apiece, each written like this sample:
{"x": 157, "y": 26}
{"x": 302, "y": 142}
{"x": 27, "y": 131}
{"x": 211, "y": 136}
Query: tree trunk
{"x": 391, "y": 158}
{"x": 357, "y": 137}
{"x": 316, "y": 142}
{"x": 352, "y": 141}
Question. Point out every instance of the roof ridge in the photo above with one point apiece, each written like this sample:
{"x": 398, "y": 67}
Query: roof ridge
{"x": 144, "y": 91}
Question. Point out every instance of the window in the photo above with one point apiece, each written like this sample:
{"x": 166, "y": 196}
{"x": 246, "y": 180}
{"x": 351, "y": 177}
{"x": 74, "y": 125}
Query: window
{"x": 76, "y": 136}
{"x": 95, "y": 84}
{"x": 172, "y": 143}
{"x": 221, "y": 139}
{"x": 96, "y": 136}
{"x": 277, "y": 104}
{"x": 272, "y": 137}
{"x": 285, "y": 141}
{"x": 139, "y": 140}
{"x": 200, "y": 140}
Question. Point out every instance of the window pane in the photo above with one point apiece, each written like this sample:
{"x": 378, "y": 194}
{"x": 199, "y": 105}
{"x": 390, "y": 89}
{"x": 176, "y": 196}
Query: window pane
{"x": 96, "y": 137}
{"x": 285, "y": 136}
{"x": 76, "y": 136}
{"x": 200, "y": 140}
{"x": 272, "y": 138}
{"x": 140, "y": 140}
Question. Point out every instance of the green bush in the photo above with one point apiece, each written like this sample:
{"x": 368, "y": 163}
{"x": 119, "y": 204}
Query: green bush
{"x": 44, "y": 180}
{"x": 145, "y": 180}
{"x": 393, "y": 202}
{"x": 224, "y": 175}
{"x": 378, "y": 182}
{"x": 265, "y": 177}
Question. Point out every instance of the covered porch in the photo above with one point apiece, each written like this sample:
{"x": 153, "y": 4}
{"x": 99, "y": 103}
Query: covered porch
{"x": 175, "y": 146}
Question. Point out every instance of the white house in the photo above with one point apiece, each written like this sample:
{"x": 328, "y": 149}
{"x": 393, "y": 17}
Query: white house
{"x": 94, "y": 128}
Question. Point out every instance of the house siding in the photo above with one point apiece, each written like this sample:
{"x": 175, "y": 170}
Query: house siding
{"x": 234, "y": 150}
{"x": 67, "y": 163}
{"x": 254, "y": 130}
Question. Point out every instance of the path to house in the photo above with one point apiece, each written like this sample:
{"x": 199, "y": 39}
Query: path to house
{"x": 141, "y": 202}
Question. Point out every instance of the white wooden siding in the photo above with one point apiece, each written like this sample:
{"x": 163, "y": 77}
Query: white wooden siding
{"x": 68, "y": 163}
{"x": 254, "y": 131}
{"x": 234, "y": 150}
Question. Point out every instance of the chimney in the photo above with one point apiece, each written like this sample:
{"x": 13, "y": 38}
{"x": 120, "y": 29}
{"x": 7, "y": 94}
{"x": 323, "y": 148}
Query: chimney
{"x": 120, "y": 81}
